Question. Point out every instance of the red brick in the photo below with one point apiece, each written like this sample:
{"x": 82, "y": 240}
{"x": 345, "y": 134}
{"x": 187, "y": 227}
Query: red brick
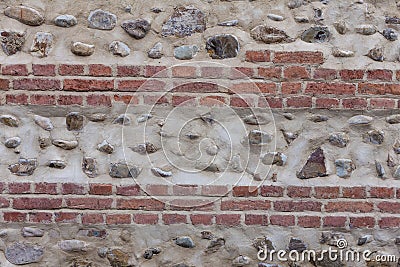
{"x": 327, "y": 103}
{"x": 255, "y": 219}
{"x": 298, "y": 191}
{"x": 270, "y": 102}
{"x": 46, "y": 188}
{"x": 212, "y": 101}
{"x": 382, "y": 103}
{"x": 258, "y": 56}
{"x": 155, "y": 100}
{"x": 4, "y": 202}
{"x": 192, "y": 204}
{"x": 130, "y": 85}
{"x": 184, "y": 72}
{"x": 4, "y": 84}
{"x": 118, "y": 219}
{"x": 320, "y": 88}
{"x": 183, "y": 100}
{"x": 326, "y": 192}
{"x": 325, "y": 74}
{"x": 389, "y": 222}
{"x": 98, "y": 100}
{"x": 245, "y": 191}
{"x": 157, "y": 190}
{"x": 334, "y": 221}
{"x": 348, "y": 75}
{"x": 184, "y": 190}
{"x": 41, "y": 217}
{"x": 362, "y": 222}
{"x": 354, "y": 103}
{"x": 89, "y": 203}
{"x": 42, "y": 99}
{"x": 227, "y": 219}
{"x": 290, "y": 88}
{"x": 241, "y": 102}
{"x": 196, "y": 87}
{"x": 44, "y": 70}
{"x": 127, "y": 99}
{"x": 282, "y": 220}
{"x": 73, "y": 189}
{"x": 214, "y": 190}
{"x": 241, "y": 73}
{"x": 155, "y": 71}
{"x": 174, "y": 218}
{"x": 66, "y": 217}
{"x": 353, "y": 206}
{"x": 296, "y": 72}
{"x": 14, "y": 216}
{"x": 389, "y": 207}
{"x": 270, "y": 73}
{"x": 37, "y": 84}
{"x": 372, "y": 88}
{"x": 309, "y": 221}
{"x": 70, "y": 100}
{"x": 271, "y": 191}
{"x": 92, "y": 219}
{"x": 145, "y": 218}
{"x": 251, "y": 87}
{"x": 391, "y": 88}
{"x": 299, "y": 102}
{"x": 140, "y": 204}
{"x": 128, "y": 190}
{"x": 19, "y": 188}
{"x": 212, "y": 72}
{"x": 245, "y": 205}
{"x": 71, "y": 70}
{"x": 381, "y": 192}
{"x": 294, "y": 206}
{"x": 354, "y": 192}
{"x": 82, "y": 85}
{"x": 383, "y": 75}
{"x": 25, "y": 203}
{"x": 20, "y": 99}
{"x": 129, "y": 71}
{"x": 203, "y": 219}
{"x": 300, "y": 57}
{"x": 99, "y": 70}
{"x": 2, "y": 187}
{"x": 100, "y": 189}
{"x": 15, "y": 70}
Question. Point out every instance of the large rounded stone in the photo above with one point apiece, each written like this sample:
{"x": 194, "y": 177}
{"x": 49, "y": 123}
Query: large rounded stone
{"x": 376, "y": 54}
{"x": 184, "y": 241}
{"x": 12, "y": 42}
{"x": 270, "y": 35}
{"x": 23, "y": 253}
{"x": 156, "y": 51}
{"x": 12, "y": 142}
{"x": 137, "y": 28}
{"x": 43, "y": 122}
{"x": 9, "y": 120}
{"x": 119, "y": 48}
{"x": 65, "y": 144}
{"x": 102, "y": 20}
{"x": 82, "y": 49}
{"x": 24, "y": 14}
{"x": 74, "y": 121}
{"x": 344, "y": 167}
{"x": 185, "y": 52}
{"x": 222, "y": 46}
{"x": 316, "y": 34}
{"x": 184, "y": 22}
{"x": 65, "y": 21}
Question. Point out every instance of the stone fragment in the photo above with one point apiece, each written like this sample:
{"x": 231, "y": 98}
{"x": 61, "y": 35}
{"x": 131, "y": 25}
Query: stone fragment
{"x": 24, "y": 167}
{"x": 105, "y": 147}
{"x": 315, "y": 166}
{"x": 339, "y": 139}
{"x": 81, "y": 263}
{"x": 289, "y": 136}
{"x": 341, "y": 26}
{"x": 23, "y": 253}
{"x": 65, "y": 144}
{"x": 143, "y": 118}
{"x": 331, "y": 238}
{"x": 145, "y": 148}
{"x": 316, "y": 34}
{"x": 365, "y": 240}
{"x": 160, "y": 172}
{"x": 241, "y": 261}
{"x": 12, "y": 41}
{"x": 212, "y": 150}
{"x": 102, "y": 20}
{"x": 392, "y": 20}
{"x": 72, "y": 245}
{"x": 296, "y": 244}
{"x": 122, "y": 119}
{"x": 366, "y": 29}
{"x": 137, "y": 28}
{"x": 380, "y": 170}
{"x": 257, "y": 137}
{"x": 396, "y": 146}
{"x": 215, "y": 245}
{"x": 393, "y": 119}
{"x": 184, "y": 22}
{"x": 74, "y": 121}
{"x": 82, "y": 49}
{"x": 375, "y": 137}
{"x": 122, "y": 170}
{"x": 390, "y": 34}
{"x": 222, "y": 46}
{"x": 44, "y": 122}
{"x": 295, "y": 3}
{"x": 44, "y": 142}
{"x": 207, "y": 118}
{"x": 12, "y": 142}
{"x": 318, "y": 14}
{"x": 275, "y": 17}
{"x": 119, "y": 48}
{"x": 185, "y": 52}
{"x": 65, "y": 21}
{"x": 270, "y": 35}
{"x": 185, "y": 242}
{"x": 397, "y": 240}
{"x": 274, "y": 158}
{"x": 25, "y": 15}
{"x": 9, "y": 120}
{"x": 97, "y": 117}
{"x": 376, "y": 54}
{"x": 42, "y": 44}
{"x": 229, "y": 23}
{"x": 301, "y": 19}
{"x": 396, "y": 173}
{"x": 207, "y": 235}
{"x": 360, "y": 120}
{"x": 207, "y": 167}
{"x": 342, "y": 53}
{"x": 156, "y": 51}
{"x": 32, "y": 232}
{"x": 156, "y": 10}
{"x": 150, "y": 252}
{"x": 390, "y": 161}
{"x": 236, "y": 163}
{"x": 318, "y": 118}
{"x": 89, "y": 167}
{"x": 288, "y": 116}
{"x": 344, "y": 167}
{"x": 57, "y": 164}
{"x": 258, "y": 119}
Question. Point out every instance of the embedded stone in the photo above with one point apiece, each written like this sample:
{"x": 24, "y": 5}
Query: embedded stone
{"x": 25, "y": 15}
{"x": 160, "y": 172}
{"x": 145, "y": 148}
{"x": 316, "y": 34}
{"x": 360, "y": 120}
{"x": 122, "y": 119}
{"x": 375, "y": 137}
{"x": 207, "y": 235}
{"x": 12, "y": 142}
{"x": 89, "y": 167}
{"x": 296, "y": 244}
{"x": 376, "y": 54}
{"x": 318, "y": 118}
{"x": 229, "y": 23}
{"x": 24, "y": 167}
{"x": 396, "y": 173}
{"x": 9, "y": 120}
{"x": 366, "y": 29}
{"x": 396, "y": 146}
{"x": 23, "y": 253}
{"x": 236, "y": 164}
{"x": 42, "y": 44}
{"x": 97, "y": 117}
{"x": 44, "y": 142}
{"x": 185, "y": 242}
{"x": 81, "y": 263}
{"x": 341, "y": 26}
{"x": 118, "y": 258}
{"x": 390, "y": 34}
{"x": 318, "y": 14}
{"x": 32, "y": 232}
{"x": 119, "y": 48}
{"x": 344, "y": 167}
{"x": 292, "y": 4}
{"x": 184, "y": 22}
{"x": 257, "y": 137}
{"x": 342, "y": 53}
{"x": 212, "y": 150}
{"x": 263, "y": 264}
{"x": 339, "y": 139}
{"x": 143, "y": 118}
{"x": 274, "y": 158}
{"x": 105, "y": 147}
{"x": 82, "y": 49}
{"x": 65, "y": 144}
{"x": 315, "y": 166}
{"x": 93, "y": 233}
{"x": 275, "y": 17}
{"x": 241, "y": 261}
{"x": 44, "y": 122}
{"x": 301, "y": 19}
{"x": 365, "y": 240}
{"x": 102, "y": 252}
{"x": 289, "y": 116}
{"x": 260, "y": 242}
{"x": 74, "y": 121}
{"x": 156, "y": 51}
{"x": 156, "y": 10}
{"x": 258, "y": 119}
{"x": 331, "y": 238}
{"x": 397, "y": 240}
{"x": 222, "y": 46}
{"x": 185, "y": 52}
{"x": 137, "y": 28}
{"x": 392, "y": 20}
{"x": 65, "y": 21}
{"x": 215, "y": 245}
{"x": 150, "y": 252}
{"x": 72, "y": 245}
{"x": 57, "y": 164}
{"x": 207, "y": 118}
{"x": 380, "y": 170}
{"x": 102, "y": 20}
{"x": 393, "y": 119}
{"x": 289, "y": 136}
{"x": 122, "y": 170}
{"x": 12, "y": 41}
{"x": 270, "y": 35}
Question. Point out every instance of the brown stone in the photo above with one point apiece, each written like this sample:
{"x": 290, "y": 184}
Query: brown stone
{"x": 26, "y": 15}
{"x": 315, "y": 166}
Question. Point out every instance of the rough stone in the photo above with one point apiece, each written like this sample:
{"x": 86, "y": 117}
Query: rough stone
{"x": 270, "y": 35}
{"x": 160, "y": 172}
{"x": 137, "y": 28}
{"x": 261, "y": 242}
{"x": 74, "y": 121}
{"x": 97, "y": 117}
{"x": 12, "y": 42}
{"x": 12, "y": 142}
{"x": 301, "y": 19}
{"x": 360, "y": 120}
{"x": 366, "y": 29}
{"x": 344, "y": 167}
{"x": 32, "y": 232}
{"x": 315, "y": 166}
{"x": 65, "y": 144}
{"x": 82, "y": 49}
{"x": 57, "y": 164}
{"x": 9, "y": 120}
{"x": 156, "y": 10}
{"x": 341, "y": 27}
{"x": 122, "y": 170}
{"x": 292, "y": 4}
{"x": 275, "y": 17}
{"x": 365, "y": 240}
{"x": 396, "y": 172}
{"x": 342, "y": 53}
{"x": 339, "y": 139}
{"x": 392, "y": 20}
{"x": 42, "y": 44}
{"x": 185, "y": 52}
{"x": 150, "y": 252}
{"x": 185, "y": 242}
{"x": 44, "y": 142}
{"x": 122, "y": 119}
{"x": 390, "y": 34}
{"x": 72, "y": 245}
{"x": 207, "y": 235}
{"x": 289, "y": 116}
{"x": 318, "y": 118}
{"x": 156, "y": 51}
{"x": 44, "y": 122}
{"x": 380, "y": 170}
{"x": 184, "y": 22}
{"x": 396, "y": 146}
{"x": 393, "y": 119}
{"x": 242, "y": 260}
{"x": 105, "y": 147}
{"x": 257, "y": 137}
{"x": 89, "y": 167}
{"x": 296, "y": 244}
{"x": 258, "y": 119}
{"x": 215, "y": 245}
{"x": 222, "y": 46}
{"x": 289, "y": 136}
{"x": 23, "y": 253}
{"x": 65, "y": 21}
{"x": 375, "y": 137}
{"x": 24, "y": 167}
{"x": 24, "y": 14}
{"x": 274, "y": 158}
{"x": 331, "y": 238}
{"x": 212, "y": 150}
{"x": 102, "y": 20}
{"x": 229, "y": 23}
{"x": 316, "y": 34}
{"x": 376, "y": 54}
{"x": 118, "y": 258}
{"x": 144, "y": 117}
{"x": 236, "y": 164}
{"x": 81, "y": 263}
{"x": 119, "y": 48}
{"x": 145, "y": 148}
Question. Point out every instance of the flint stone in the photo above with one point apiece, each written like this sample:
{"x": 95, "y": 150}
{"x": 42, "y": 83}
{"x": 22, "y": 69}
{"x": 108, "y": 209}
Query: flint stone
{"x": 315, "y": 166}
{"x": 23, "y": 253}
{"x": 296, "y": 244}
{"x": 331, "y": 238}
{"x": 72, "y": 245}
{"x": 318, "y": 118}
{"x": 300, "y": 19}
{"x": 160, "y": 172}
{"x": 43, "y": 122}
{"x": 102, "y": 20}
{"x": 65, "y": 21}
{"x": 289, "y": 136}
{"x": 184, "y": 22}
{"x": 89, "y": 167}
{"x": 339, "y": 139}
{"x": 143, "y": 118}
{"x": 316, "y": 34}
{"x": 97, "y": 117}
{"x": 122, "y": 119}
{"x": 375, "y": 137}
{"x": 44, "y": 142}
{"x": 229, "y": 23}
{"x": 258, "y": 119}
{"x": 274, "y": 158}
{"x": 396, "y": 173}
{"x": 9, "y": 120}
{"x": 32, "y": 232}
{"x": 24, "y": 167}
{"x": 342, "y": 53}
{"x": 137, "y": 28}
{"x": 82, "y": 49}
{"x": 12, "y": 42}
{"x": 42, "y": 44}
{"x": 241, "y": 261}
{"x": 144, "y": 148}
{"x": 74, "y": 121}
{"x": 344, "y": 167}
{"x": 366, "y": 29}
{"x": 25, "y": 15}
{"x": 156, "y": 51}
{"x": 341, "y": 27}
{"x": 105, "y": 147}
{"x": 275, "y": 17}
{"x": 392, "y": 20}
{"x": 118, "y": 258}
{"x": 12, "y": 142}
{"x": 185, "y": 52}
{"x": 57, "y": 164}
{"x": 292, "y": 4}
{"x": 119, "y": 49}
{"x": 360, "y": 120}
{"x": 185, "y": 242}
{"x": 222, "y": 46}
{"x": 121, "y": 170}
{"x": 393, "y": 119}
{"x": 365, "y": 240}
{"x": 270, "y": 35}
{"x": 215, "y": 245}
{"x": 64, "y": 144}
{"x": 376, "y": 54}
{"x": 380, "y": 170}
{"x": 390, "y": 34}
{"x": 257, "y": 137}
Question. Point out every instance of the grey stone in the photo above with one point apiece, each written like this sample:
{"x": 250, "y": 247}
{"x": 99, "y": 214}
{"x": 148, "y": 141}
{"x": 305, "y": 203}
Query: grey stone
{"x": 316, "y": 34}
{"x": 72, "y": 245}
{"x": 23, "y": 253}
{"x": 342, "y": 53}
{"x": 242, "y": 260}
{"x": 160, "y": 172}
{"x": 397, "y": 240}
{"x": 331, "y": 238}
{"x": 229, "y": 23}
{"x": 375, "y": 137}
{"x": 122, "y": 170}
{"x": 150, "y": 252}
{"x": 315, "y": 166}
{"x": 380, "y": 170}
{"x": 392, "y": 20}
{"x": 257, "y": 137}
{"x": 65, "y": 21}
{"x": 207, "y": 118}
{"x": 296, "y": 244}
{"x": 42, "y": 44}
{"x": 145, "y": 148}
{"x": 97, "y": 117}
{"x": 9, "y": 120}
{"x": 274, "y": 158}
{"x": 360, "y": 120}
{"x": 128, "y": 9}
{"x": 212, "y": 150}
{"x": 74, "y": 121}
{"x": 275, "y": 17}
{"x": 396, "y": 146}
{"x": 137, "y": 28}
{"x": 44, "y": 142}
{"x": 215, "y": 245}
{"x": 318, "y": 118}
{"x": 390, "y": 34}
{"x": 270, "y": 35}
{"x": 184, "y": 22}
{"x": 207, "y": 235}
{"x": 44, "y": 122}
{"x": 289, "y": 136}
{"x": 301, "y": 19}
{"x": 396, "y": 173}
{"x": 82, "y": 49}
{"x": 344, "y": 167}
{"x": 318, "y": 14}
{"x": 24, "y": 14}
{"x": 156, "y": 51}
{"x": 185, "y": 52}
{"x": 65, "y": 144}
{"x": 185, "y": 242}
{"x": 256, "y": 119}
{"x": 57, "y": 164}
{"x": 102, "y": 252}
{"x": 105, "y": 147}
{"x": 295, "y": 3}
{"x": 89, "y": 167}
{"x": 12, "y": 41}
{"x": 288, "y": 116}
{"x": 236, "y": 164}
{"x": 393, "y": 119}
{"x": 32, "y": 232}
{"x": 366, "y": 29}
{"x": 365, "y": 240}
{"x": 122, "y": 119}
{"x": 102, "y": 20}
{"x": 143, "y": 118}
{"x": 12, "y": 142}
{"x": 222, "y": 46}
{"x": 119, "y": 48}
{"x": 376, "y": 54}
{"x": 24, "y": 167}
{"x": 341, "y": 26}
{"x": 156, "y": 10}
{"x": 339, "y": 139}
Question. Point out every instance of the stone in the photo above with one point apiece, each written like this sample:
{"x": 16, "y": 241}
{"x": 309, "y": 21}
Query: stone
{"x": 296, "y": 244}
{"x": 145, "y": 148}
{"x": 81, "y": 263}
{"x": 57, "y": 164}
{"x": 24, "y": 167}
{"x": 375, "y": 137}
{"x": 376, "y": 54}
{"x": 42, "y": 44}
{"x": 128, "y": 9}
{"x": 44, "y": 122}
{"x": 102, "y": 20}
{"x": 392, "y": 20}
{"x": 380, "y": 170}
{"x": 74, "y": 121}
{"x": 344, "y": 167}
{"x": 289, "y": 136}
{"x": 207, "y": 118}
{"x": 93, "y": 233}
{"x": 366, "y": 29}
{"x": 44, "y": 142}
{"x": 65, "y": 21}
{"x": 241, "y": 261}
{"x": 274, "y": 158}
{"x": 65, "y": 144}
{"x": 360, "y": 120}
{"x": 288, "y": 116}
{"x": 185, "y": 242}
{"x": 72, "y": 245}
{"x": 143, "y": 118}
{"x": 125, "y": 235}
{"x": 185, "y": 52}
{"x": 390, "y": 161}
{"x": 160, "y": 172}
{"x": 331, "y": 238}
{"x": 184, "y": 22}
{"x": 156, "y": 51}
{"x": 342, "y": 53}
{"x": 12, "y": 42}
{"x": 82, "y": 49}
{"x": 258, "y": 119}
{"x": 275, "y": 17}
{"x": 23, "y": 253}
{"x": 263, "y": 264}
{"x": 270, "y": 35}
{"x": 396, "y": 146}
{"x": 89, "y": 167}
{"x": 212, "y": 150}
{"x": 397, "y": 240}
{"x": 396, "y": 173}
{"x": 292, "y": 4}
{"x": 229, "y": 23}
{"x": 365, "y": 240}
{"x": 341, "y": 27}
{"x": 315, "y": 166}
{"x": 393, "y": 119}
{"x": 119, "y": 48}
{"x": 32, "y": 232}
{"x": 148, "y": 253}
{"x": 137, "y": 28}
{"x": 97, "y": 117}
{"x": 122, "y": 170}
{"x": 390, "y": 34}
{"x": 318, "y": 118}
{"x": 339, "y": 139}
{"x": 215, "y": 245}
{"x": 318, "y": 14}
{"x": 257, "y": 137}
{"x": 12, "y": 142}
{"x": 118, "y": 258}
{"x": 222, "y": 46}
{"x": 316, "y": 34}
{"x": 9, "y": 120}
{"x": 25, "y": 15}
{"x": 301, "y": 19}
{"x": 207, "y": 235}
{"x": 236, "y": 164}
{"x": 105, "y": 147}
{"x": 156, "y": 10}
{"x": 261, "y": 242}
{"x": 122, "y": 119}
{"x": 102, "y": 252}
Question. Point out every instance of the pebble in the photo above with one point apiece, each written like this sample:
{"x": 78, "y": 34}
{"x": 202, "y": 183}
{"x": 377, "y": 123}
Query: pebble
{"x": 241, "y": 261}
{"x": 32, "y": 232}
{"x": 301, "y": 19}
{"x": 25, "y": 15}
{"x": 156, "y": 10}
{"x": 212, "y": 150}
{"x": 185, "y": 241}
{"x": 122, "y": 170}
{"x": 82, "y": 49}
{"x": 160, "y": 172}
{"x": 89, "y": 167}
{"x": 318, "y": 118}
{"x": 344, "y": 167}
{"x": 229, "y": 23}
{"x": 64, "y": 144}
{"x": 137, "y": 28}
{"x": 65, "y": 21}
{"x": 396, "y": 173}
{"x": 390, "y": 34}
{"x": 360, "y": 120}
{"x": 376, "y": 54}
{"x": 72, "y": 245}
{"x": 185, "y": 52}
{"x": 44, "y": 122}
{"x": 150, "y": 252}
{"x": 289, "y": 136}
{"x": 118, "y": 258}
{"x": 257, "y": 137}
{"x": 274, "y": 158}
{"x": 393, "y": 119}
{"x": 365, "y": 240}
{"x": 57, "y": 164}
{"x": 341, "y": 27}
{"x": 380, "y": 170}
{"x": 275, "y": 17}
{"x": 122, "y": 119}
{"x": 270, "y": 35}
{"x": 74, "y": 121}
{"x": 42, "y": 44}
{"x": 288, "y": 116}
{"x": 144, "y": 117}
{"x": 342, "y": 53}
{"x": 23, "y": 253}
{"x": 24, "y": 167}
{"x": 156, "y": 51}
{"x": 102, "y": 20}
{"x": 339, "y": 139}
{"x": 184, "y": 22}
{"x": 145, "y": 148}
{"x": 222, "y": 46}
{"x": 315, "y": 166}
{"x": 316, "y": 34}
{"x": 12, "y": 142}
{"x": 44, "y": 142}
{"x": 396, "y": 146}
{"x": 12, "y": 41}
{"x": 97, "y": 117}
{"x": 9, "y": 120}
{"x": 119, "y": 48}
{"x": 105, "y": 147}
{"x": 258, "y": 119}
{"x": 366, "y": 29}
{"x": 295, "y": 3}
{"x": 375, "y": 137}
{"x": 331, "y": 238}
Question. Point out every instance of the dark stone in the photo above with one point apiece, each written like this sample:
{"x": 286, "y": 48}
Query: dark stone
{"x": 12, "y": 142}
{"x": 12, "y": 42}
{"x": 229, "y": 23}
{"x": 57, "y": 164}
{"x": 296, "y": 244}
{"x": 122, "y": 119}
{"x": 207, "y": 235}
{"x": 316, "y": 34}
{"x": 315, "y": 166}
{"x": 270, "y": 35}
{"x": 102, "y": 20}
{"x": 185, "y": 242}
{"x": 24, "y": 167}
{"x": 375, "y": 137}
{"x": 44, "y": 142}
{"x": 9, "y": 120}
{"x": 145, "y": 148}
{"x": 392, "y": 20}
{"x": 74, "y": 121}
{"x": 222, "y": 46}
{"x": 122, "y": 170}
{"x": 339, "y": 139}
{"x": 289, "y": 136}
{"x": 23, "y": 253}
{"x": 137, "y": 28}
{"x": 26, "y": 15}
{"x": 390, "y": 34}
{"x": 89, "y": 167}
{"x": 215, "y": 245}
{"x": 65, "y": 21}
{"x": 380, "y": 170}
{"x": 105, "y": 147}
{"x": 184, "y": 22}
{"x": 376, "y": 54}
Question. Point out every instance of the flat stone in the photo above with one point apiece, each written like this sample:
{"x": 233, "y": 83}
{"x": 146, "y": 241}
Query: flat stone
{"x": 344, "y": 167}
{"x": 257, "y": 137}
{"x": 97, "y": 117}
{"x": 156, "y": 51}
{"x": 390, "y": 34}
{"x": 318, "y": 118}
{"x": 72, "y": 245}
{"x": 160, "y": 172}
{"x": 145, "y": 148}
{"x": 185, "y": 52}
{"x": 65, "y": 144}
{"x": 289, "y": 116}
{"x": 102, "y": 20}
{"x": 184, "y": 22}
{"x": 32, "y": 232}
{"x": 122, "y": 119}
{"x": 44, "y": 122}
{"x": 366, "y": 29}
{"x": 137, "y": 28}
{"x": 25, "y": 15}
{"x": 296, "y": 244}
{"x": 74, "y": 121}
{"x": 229, "y": 23}
{"x": 118, "y": 258}
{"x": 119, "y": 48}
{"x": 24, "y": 167}
{"x": 57, "y": 164}
{"x": 339, "y": 139}
{"x": 143, "y": 118}
{"x": 9, "y": 120}
{"x": 380, "y": 170}
{"x": 274, "y": 158}
{"x": 23, "y": 253}
{"x": 89, "y": 167}
{"x": 316, "y": 34}
{"x": 82, "y": 49}
{"x": 65, "y": 21}
{"x": 256, "y": 119}
{"x": 241, "y": 261}
{"x": 292, "y": 4}
{"x": 315, "y": 166}
{"x": 376, "y": 54}
{"x": 42, "y": 44}
{"x": 185, "y": 242}
{"x": 375, "y": 137}
{"x": 393, "y": 119}
{"x": 301, "y": 19}
{"x": 12, "y": 142}
{"x": 122, "y": 170}
{"x": 105, "y": 147}
{"x": 12, "y": 42}
{"x": 270, "y": 35}
{"x": 342, "y": 53}
{"x": 341, "y": 27}
{"x": 365, "y": 240}
{"x": 360, "y": 120}
{"x": 289, "y": 136}
{"x": 275, "y": 17}
{"x": 222, "y": 46}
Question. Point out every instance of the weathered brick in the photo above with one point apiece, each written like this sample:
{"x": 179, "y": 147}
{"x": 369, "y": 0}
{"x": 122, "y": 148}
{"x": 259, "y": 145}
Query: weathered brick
{"x": 82, "y": 85}
{"x": 383, "y": 75}
{"x": 37, "y": 84}
{"x": 184, "y": 72}
{"x": 298, "y": 191}
{"x": 372, "y": 88}
{"x": 185, "y": 190}
{"x": 270, "y": 102}
{"x": 255, "y": 219}
{"x": 334, "y": 221}
{"x": 389, "y": 207}
{"x": 362, "y": 222}
{"x": 19, "y": 188}
{"x": 212, "y": 72}
{"x": 66, "y": 217}
{"x": 196, "y": 87}
{"x": 282, "y": 220}
{"x": 299, "y": 57}
{"x": 26, "y": 203}
{"x": 296, "y": 72}
{"x": 381, "y": 192}
{"x": 20, "y": 99}
{"x": 12, "y": 216}
{"x": 129, "y": 71}
{"x": 174, "y": 218}
{"x": 192, "y": 204}
{"x": 46, "y": 188}
{"x": 389, "y": 222}
{"x": 212, "y": 101}
{"x": 145, "y": 218}
{"x": 294, "y": 206}
{"x": 382, "y": 103}
{"x": 270, "y": 72}
{"x": 71, "y": 70}
{"x": 214, "y": 190}
{"x": 309, "y": 221}
{"x": 354, "y": 103}
{"x": 115, "y": 219}
{"x": 321, "y": 88}
{"x": 41, "y": 217}
{"x": 42, "y": 99}
{"x": 245, "y": 205}
{"x": 253, "y": 87}
{"x": 155, "y": 71}
{"x": 299, "y": 102}
{"x": 100, "y": 189}
{"x": 14, "y": 70}
{"x": 100, "y": 70}
{"x": 241, "y": 73}
{"x": 258, "y": 56}
{"x": 73, "y": 189}
{"x": 65, "y": 100}
{"x": 245, "y": 191}
{"x": 354, "y": 192}
{"x": 203, "y": 219}
{"x": 184, "y": 100}
{"x": 92, "y": 219}
{"x": 350, "y": 206}
{"x": 140, "y": 204}
{"x": 326, "y": 192}
{"x": 157, "y": 190}
{"x": 44, "y": 69}
{"x": 98, "y": 100}
{"x": 228, "y": 219}
{"x": 348, "y": 75}
{"x": 271, "y": 191}
{"x": 325, "y": 74}
{"x": 4, "y": 84}
{"x": 288, "y": 88}
{"x": 88, "y": 203}
{"x": 128, "y": 190}
{"x": 327, "y": 103}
